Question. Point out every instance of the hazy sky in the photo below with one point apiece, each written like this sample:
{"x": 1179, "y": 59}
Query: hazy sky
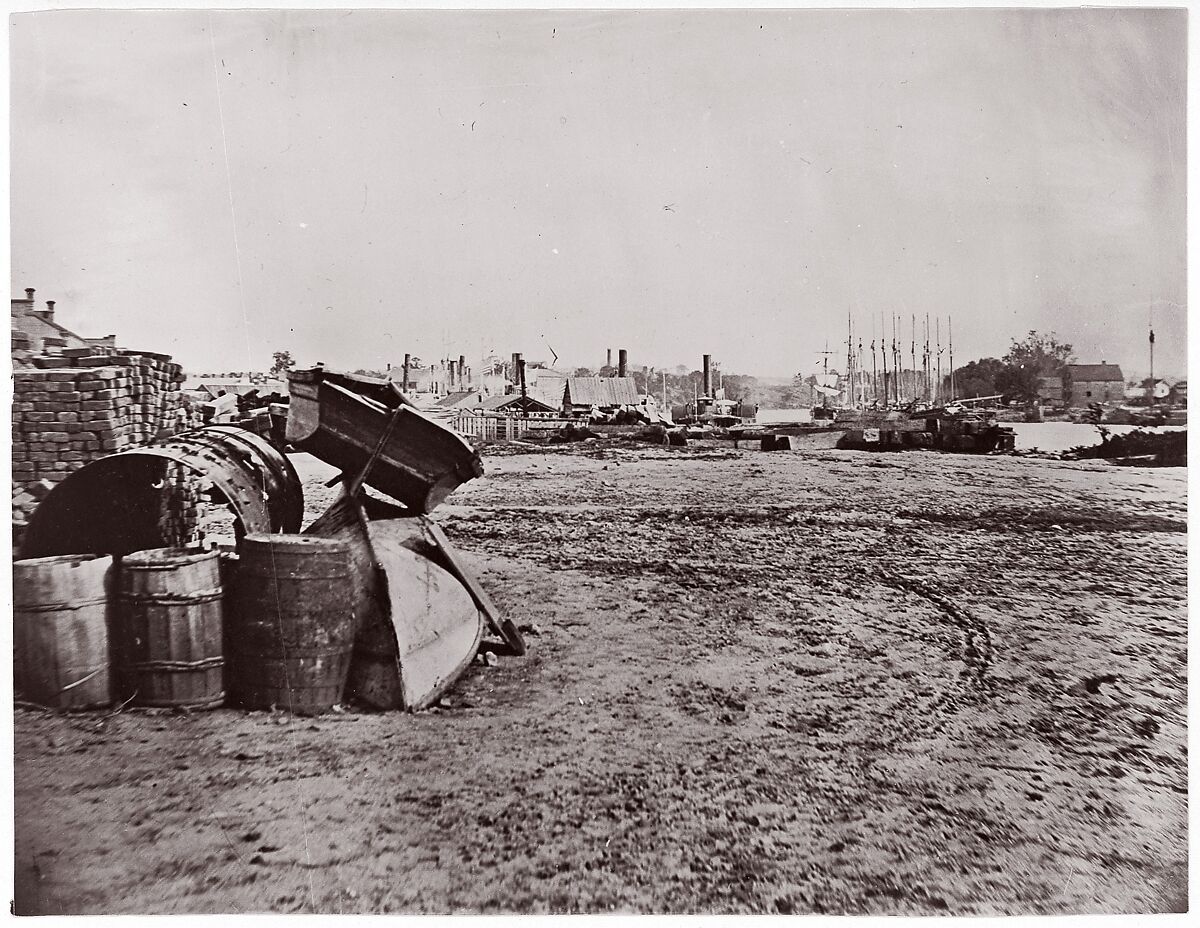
{"x": 351, "y": 186}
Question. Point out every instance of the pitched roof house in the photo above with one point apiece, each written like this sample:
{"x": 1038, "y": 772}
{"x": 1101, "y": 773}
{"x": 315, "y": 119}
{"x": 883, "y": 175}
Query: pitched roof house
{"x": 514, "y": 403}
{"x": 35, "y": 329}
{"x": 1084, "y": 384}
{"x": 582, "y": 393}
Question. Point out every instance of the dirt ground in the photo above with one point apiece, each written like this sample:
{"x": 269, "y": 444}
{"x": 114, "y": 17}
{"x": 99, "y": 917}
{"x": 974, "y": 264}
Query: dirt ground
{"x": 826, "y": 682}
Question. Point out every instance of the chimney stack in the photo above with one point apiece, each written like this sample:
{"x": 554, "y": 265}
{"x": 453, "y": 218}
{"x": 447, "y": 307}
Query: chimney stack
{"x": 622, "y": 362}
{"x": 48, "y": 312}
{"x": 29, "y": 292}
{"x": 608, "y": 363}
{"x": 708, "y": 375}
{"x": 518, "y": 370}
{"x": 407, "y": 359}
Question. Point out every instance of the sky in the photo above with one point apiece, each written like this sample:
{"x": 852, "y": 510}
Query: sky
{"x": 351, "y": 186}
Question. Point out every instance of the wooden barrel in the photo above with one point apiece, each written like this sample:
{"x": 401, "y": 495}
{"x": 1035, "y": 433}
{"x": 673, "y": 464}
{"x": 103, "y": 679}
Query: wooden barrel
{"x": 291, "y": 623}
{"x": 60, "y": 631}
{"x": 169, "y": 647}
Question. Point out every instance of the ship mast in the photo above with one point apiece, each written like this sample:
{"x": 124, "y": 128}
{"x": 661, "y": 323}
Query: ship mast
{"x": 895, "y": 359}
{"x": 825, "y": 375}
{"x": 874, "y": 366}
{"x": 925, "y": 360}
{"x": 884, "y": 354}
{"x": 850, "y": 359}
{"x": 862, "y": 380}
{"x": 950, "y": 335}
{"x": 938, "y": 335}
{"x": 913, "y": 346}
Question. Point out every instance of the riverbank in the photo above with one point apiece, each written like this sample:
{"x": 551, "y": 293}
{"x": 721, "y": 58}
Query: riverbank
{"x": 834, "y": 682}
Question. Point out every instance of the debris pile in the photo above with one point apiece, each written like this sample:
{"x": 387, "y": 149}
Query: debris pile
{"x": 372, "y": 594}
{"x": 1163, "y": 448}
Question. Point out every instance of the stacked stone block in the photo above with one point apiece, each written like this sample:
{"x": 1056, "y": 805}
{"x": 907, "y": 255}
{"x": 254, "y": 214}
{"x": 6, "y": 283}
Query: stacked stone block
{"x": 82, "y": 404}
{"x": 181, "y": 507}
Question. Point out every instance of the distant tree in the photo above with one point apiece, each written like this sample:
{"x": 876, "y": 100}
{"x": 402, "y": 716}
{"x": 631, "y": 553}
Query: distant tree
{"x": 607, "y": 371}
{"x": 1019, "y": 383}
{"x": 978, "y": 378}
{"x": 583, "y": 372}
{"x": 741, "y": 387}
{"x": 282, "y": 364}
{"x": 1044, "y": 354}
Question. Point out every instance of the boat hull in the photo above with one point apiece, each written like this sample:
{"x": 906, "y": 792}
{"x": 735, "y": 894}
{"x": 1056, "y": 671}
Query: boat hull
{"x": 416, "y": 627}
{"x": 341, "y": 420}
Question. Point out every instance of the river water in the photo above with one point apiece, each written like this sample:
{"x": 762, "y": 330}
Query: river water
{"x": 1042, "y": 436}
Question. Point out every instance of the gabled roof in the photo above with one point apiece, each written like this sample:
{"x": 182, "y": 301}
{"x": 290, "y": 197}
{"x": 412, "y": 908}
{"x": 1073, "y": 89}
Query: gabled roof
{"x": 1092, "y": 373}
{"x": 533, "y": 404}
{"x": 458, "y": 398}
{"x": 602, "y": 391}
{"x": 214, "y": 386}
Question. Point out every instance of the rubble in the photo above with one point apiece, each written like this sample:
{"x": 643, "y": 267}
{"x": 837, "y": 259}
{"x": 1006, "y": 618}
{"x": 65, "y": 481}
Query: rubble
{"x": 1161, "y": 448}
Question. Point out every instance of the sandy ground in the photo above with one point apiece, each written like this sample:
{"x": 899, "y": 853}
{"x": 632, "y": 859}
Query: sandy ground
{"x": 827, "y": 682}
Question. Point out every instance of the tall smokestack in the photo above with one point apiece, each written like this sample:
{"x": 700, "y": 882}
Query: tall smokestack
{"x": 407, "y": 359}
{"x": 708, "y": 375}
{"x": 518, "y": 371}
{"x": 524, "y": 394}
{"x": 608, "y": 363}
{"x": 622, "y": 362}
{"x": 462, "y": 371}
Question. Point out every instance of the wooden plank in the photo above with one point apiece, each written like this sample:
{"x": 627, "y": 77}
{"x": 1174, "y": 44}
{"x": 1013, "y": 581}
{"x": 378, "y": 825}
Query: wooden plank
{"x": 501, "y": 626}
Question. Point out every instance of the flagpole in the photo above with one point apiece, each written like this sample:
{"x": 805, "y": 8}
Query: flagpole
{"x": 1151, "y": 361}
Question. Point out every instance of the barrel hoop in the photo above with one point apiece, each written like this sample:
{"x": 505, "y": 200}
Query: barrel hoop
{"x": 205, "y": 663}
{"x": 290, "y": 654}
{"x": 178, "y": 599}
{"x": 183, "y": 560}
{"x": 60, "y": 607}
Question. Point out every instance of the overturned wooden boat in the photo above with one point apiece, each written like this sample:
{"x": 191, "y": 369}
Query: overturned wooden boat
{"x": 418, "y": 621}
{"x": 365, "y": 425}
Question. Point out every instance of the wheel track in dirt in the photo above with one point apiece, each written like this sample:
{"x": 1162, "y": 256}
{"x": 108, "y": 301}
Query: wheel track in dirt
{"x": 978, "y": 650}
